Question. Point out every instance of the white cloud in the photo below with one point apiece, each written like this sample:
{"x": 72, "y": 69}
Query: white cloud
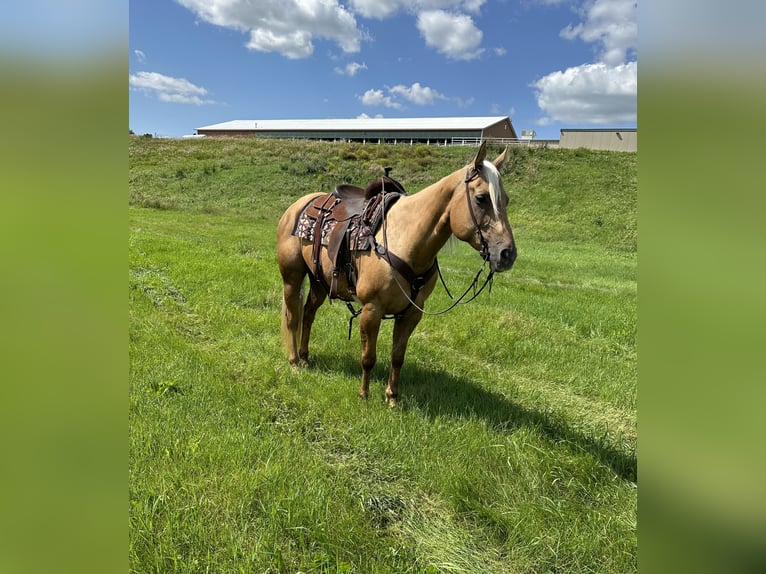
{"x": 417, "y": 94}
{"x": 294, "y": 45}
{"x": 464, "y": 103}
{"x": 611, "y": 23}
{"x": 378, "y": 98}
{"x": 289, "y": 27}
{"x": 454, "y": 35}
{"x": 351, "y": 69}
{"x": 169, "y": 89}
{"x": 140, "y": 56}
{"x": 589, "y": 94}
{"x": 500, "y": 51}
{"x": 472, "y": 5}
{"x": 283, "y": 26}
{"x": 603, "y": 92}
{"x": 495, "y": 109}
{"x": 381, "y": 9}
{"x": 377, "y": 8}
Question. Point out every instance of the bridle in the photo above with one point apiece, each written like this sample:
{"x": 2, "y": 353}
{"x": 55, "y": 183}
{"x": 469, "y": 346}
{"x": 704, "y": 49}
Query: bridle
{"x": 483, "y": 244}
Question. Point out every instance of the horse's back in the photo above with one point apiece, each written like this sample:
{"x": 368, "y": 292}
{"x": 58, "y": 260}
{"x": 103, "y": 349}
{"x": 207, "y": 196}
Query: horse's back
{"x": 290, "y": 216}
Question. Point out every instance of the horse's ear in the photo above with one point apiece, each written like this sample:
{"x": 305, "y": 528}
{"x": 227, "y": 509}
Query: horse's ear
{"x": 500, "y": 160}
{"x": 478, "y": 161}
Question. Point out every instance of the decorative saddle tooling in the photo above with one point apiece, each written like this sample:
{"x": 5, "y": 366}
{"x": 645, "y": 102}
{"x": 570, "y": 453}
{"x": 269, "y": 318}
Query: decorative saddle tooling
{"x": 346, "y": 221}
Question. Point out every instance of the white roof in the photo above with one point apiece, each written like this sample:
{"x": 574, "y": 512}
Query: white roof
{"x": 357, "y": 124}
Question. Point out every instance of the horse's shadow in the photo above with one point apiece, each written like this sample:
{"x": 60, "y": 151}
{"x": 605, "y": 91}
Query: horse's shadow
{"x": 439, "y": 393}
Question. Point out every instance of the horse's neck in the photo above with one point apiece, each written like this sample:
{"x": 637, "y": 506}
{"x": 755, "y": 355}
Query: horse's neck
{"x": 418, "y": 225}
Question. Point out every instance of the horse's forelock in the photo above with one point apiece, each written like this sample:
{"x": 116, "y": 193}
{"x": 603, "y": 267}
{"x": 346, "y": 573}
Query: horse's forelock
{"x": 495, "y": 186}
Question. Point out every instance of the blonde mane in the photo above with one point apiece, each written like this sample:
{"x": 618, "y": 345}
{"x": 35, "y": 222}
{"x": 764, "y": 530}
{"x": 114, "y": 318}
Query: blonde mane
{"x": 495, "y": 186}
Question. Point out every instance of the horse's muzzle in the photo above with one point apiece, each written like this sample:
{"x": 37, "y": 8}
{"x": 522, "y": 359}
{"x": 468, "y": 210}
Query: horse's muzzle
{"x": 506, "y": 260}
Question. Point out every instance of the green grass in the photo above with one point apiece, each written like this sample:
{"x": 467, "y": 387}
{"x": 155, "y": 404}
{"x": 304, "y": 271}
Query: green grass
{"x": 513, "y": 449}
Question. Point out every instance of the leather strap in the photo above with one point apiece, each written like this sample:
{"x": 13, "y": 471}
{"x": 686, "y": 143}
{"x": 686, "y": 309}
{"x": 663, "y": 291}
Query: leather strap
{"x": 483, "y": 245}
{"x": 416, "y": 281}
{"x": 324, "y": 211}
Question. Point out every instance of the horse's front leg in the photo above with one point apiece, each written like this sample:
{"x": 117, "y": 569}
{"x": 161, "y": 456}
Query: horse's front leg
{"x": 403, "y": 328}
{"x": 369, "y": 326}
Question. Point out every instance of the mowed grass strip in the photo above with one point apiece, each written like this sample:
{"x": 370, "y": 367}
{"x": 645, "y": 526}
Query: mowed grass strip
{"x": 513, "y": 449}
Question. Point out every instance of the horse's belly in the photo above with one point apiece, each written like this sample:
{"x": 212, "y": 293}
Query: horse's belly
{"x": 342, "y": 287}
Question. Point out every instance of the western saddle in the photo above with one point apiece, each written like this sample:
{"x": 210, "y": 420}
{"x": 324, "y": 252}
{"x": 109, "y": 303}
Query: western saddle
{"x": 345, "y": 221}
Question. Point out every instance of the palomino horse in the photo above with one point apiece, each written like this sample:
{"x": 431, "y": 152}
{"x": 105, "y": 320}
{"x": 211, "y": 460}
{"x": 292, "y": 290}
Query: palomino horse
{"x": 470, "y": 203}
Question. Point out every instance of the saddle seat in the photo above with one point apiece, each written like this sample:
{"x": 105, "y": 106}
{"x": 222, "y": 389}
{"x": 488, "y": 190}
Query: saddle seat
{"x": 357, "y": 196}
{"x": 345, "y": 221}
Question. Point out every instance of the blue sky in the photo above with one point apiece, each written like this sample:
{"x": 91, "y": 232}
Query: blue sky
{"x": 547, "y": 64}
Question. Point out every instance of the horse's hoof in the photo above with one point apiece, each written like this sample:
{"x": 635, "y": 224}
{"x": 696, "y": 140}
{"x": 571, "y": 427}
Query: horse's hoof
{"x": 296, "y": 366}
{"x": 393, "y": 402}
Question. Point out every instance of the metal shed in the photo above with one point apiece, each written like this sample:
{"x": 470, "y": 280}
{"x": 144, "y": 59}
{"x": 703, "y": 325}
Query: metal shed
{"x": 415, "y": 130}
{"x": 612, "y": 139}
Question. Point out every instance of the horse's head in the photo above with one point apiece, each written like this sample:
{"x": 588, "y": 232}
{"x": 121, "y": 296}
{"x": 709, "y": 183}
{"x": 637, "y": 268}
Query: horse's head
{"x": 478, "y": 211}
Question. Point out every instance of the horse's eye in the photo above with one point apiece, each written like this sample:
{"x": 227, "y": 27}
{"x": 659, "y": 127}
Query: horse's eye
{"x": 482, "y": 199}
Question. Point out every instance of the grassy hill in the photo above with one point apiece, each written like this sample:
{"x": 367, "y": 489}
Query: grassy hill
{"x": 513, "y": 449}
{"x": 561, "y": 195}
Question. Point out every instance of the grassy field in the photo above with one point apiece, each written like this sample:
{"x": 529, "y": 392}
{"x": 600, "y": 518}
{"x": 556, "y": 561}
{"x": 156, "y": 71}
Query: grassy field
{"x": 513, "y": 449}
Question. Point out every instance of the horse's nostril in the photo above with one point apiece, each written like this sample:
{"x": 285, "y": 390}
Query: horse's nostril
{"x": 508, "y": 256}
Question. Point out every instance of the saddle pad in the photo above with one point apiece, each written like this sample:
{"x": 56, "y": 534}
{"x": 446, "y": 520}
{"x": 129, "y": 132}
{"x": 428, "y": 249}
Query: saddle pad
{"x": 323, "y": 207}
{"x": 306, "y": 224}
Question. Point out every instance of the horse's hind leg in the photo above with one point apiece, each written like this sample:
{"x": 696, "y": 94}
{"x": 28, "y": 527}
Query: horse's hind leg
{"x": 292, "y": 308}
{"x": 317, "y": 295}
{"x": 293, "y": 270}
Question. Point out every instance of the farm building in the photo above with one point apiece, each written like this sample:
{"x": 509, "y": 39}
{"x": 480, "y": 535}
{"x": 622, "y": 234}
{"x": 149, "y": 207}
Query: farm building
{"x": 467, "y": 130}
{"x": 612, "y": 139}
